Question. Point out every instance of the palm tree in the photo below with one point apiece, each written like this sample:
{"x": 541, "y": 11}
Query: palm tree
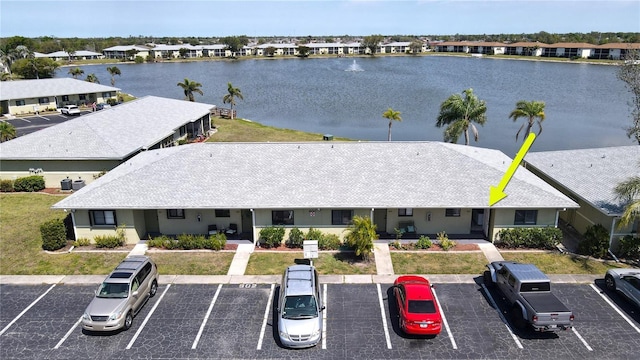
{"x": 190, "y": 87}
{"x": 392, "y": 115}
{"x": 629, "y": 192}
{"x": 113, "y": 71}
{"x": 230, "y": 97}
{"x": 92, "y": 78}
{"x": 76, "y": 72}
{"x": 460, "y": 114}
{"x": 531, "y": 110}
{"x": 362, "y": 233}
{"x": 7, "y": 131}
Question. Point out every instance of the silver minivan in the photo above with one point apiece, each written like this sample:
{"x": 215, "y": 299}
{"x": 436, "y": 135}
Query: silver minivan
{"x": 299, "y": 307}
{"x": 122, "y": 295}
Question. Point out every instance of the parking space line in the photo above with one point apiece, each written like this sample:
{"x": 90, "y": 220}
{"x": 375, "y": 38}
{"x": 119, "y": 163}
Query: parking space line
{"x": 324, "y": 318}
{"x": 581, "y": 339}
{"x": 599, "y": 292}
{"x": 68, "y": 333}
{"x": 384, "y": 317}
{"x": 25, "y": 310}
{"x": 266, "y": 317}
{"x": 504, "y": 320}
{"x": 444, "y": 320}
{"x": 206, "y": 317}
{"x": 155, "y": 306}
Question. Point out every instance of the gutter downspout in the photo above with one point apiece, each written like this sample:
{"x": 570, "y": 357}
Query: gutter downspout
{"x": 613, "y": 226}
{"x": 73, "y": 221}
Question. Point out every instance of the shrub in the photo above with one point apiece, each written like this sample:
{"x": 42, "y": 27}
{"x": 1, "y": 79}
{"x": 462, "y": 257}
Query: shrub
{"x": 630, "y": 247}
{"x": 296, "y": 238}
{"x": 423, "y": 243}
{"x": 54, "y": 235}
{"x": 29, "y": 183}
{"x": 445, "y": 243}
{"x": 162, "y": 241}
{"x": 216, "y": 242}
{"x": 396, "y": 245}
{"x": 595, "y": 243}
{"x": 532, "y": 238}
{"x": 6, "y": 186}
{"x": 190, "y": 242}
{"x": 329, "y": 242}
{"x": 139, "y": 59}
{"x": 271, "y": 236}
{"x": 314, "y": 234}
{"x": 82, "y": 242}
{"x": 108, "y": 241}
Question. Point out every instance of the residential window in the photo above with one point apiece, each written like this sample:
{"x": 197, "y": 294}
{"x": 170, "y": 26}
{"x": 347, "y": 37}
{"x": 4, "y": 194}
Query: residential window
{"x": 19, "y": 102}
{"x": 65, "y": 97}
{"x": 175, "y": 214}
{"x": 526, "y": 217}
{"x": 106, "y": 95}
{"x": 282, "y": 217}
{"x": 183, "y": 130}
{"x": 102, "y": 217}
{"x": 454, "y": 212}
{"x": 341, "y": 217}
{"x": 405, "y": 212}
{"x": 43, "y": 100}
{"x": 223, "y": 213}
{"x": 82, "y": 96}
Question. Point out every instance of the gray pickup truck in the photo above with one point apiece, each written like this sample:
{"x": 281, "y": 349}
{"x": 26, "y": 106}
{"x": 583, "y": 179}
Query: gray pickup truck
{"x": 528, "y": 291}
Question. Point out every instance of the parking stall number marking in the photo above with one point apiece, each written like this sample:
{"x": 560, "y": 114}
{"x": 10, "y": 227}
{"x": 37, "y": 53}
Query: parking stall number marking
{"x": 247, "y": 286}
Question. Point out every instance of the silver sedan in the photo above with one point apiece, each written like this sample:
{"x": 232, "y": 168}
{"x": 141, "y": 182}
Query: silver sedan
{"x": 625, "y": 281}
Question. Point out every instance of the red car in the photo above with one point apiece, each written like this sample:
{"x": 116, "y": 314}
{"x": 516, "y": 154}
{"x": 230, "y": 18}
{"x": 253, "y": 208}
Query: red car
{"x": 418, "y": 309}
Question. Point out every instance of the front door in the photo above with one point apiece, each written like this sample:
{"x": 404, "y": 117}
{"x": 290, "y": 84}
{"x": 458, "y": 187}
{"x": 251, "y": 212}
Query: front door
{"x": 380, "y": 219}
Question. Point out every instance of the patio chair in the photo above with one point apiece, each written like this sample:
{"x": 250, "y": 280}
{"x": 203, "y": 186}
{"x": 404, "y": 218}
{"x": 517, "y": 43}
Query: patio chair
{"x": 407, "y": 227}
{"x": 232, "y": 230}
{"x": 213, "y": 229}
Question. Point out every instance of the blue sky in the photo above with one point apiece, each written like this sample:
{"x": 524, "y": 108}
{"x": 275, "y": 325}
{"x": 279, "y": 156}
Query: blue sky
{"x": 212, "y": 18}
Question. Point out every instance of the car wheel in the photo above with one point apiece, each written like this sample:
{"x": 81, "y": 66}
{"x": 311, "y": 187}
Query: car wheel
{"x": 128, "y": 320}
{"x": 488, "y": 282}
{"x": 154, "y": 289}
{"x": 516, "y": 318}
{"x": 609, "y": 282}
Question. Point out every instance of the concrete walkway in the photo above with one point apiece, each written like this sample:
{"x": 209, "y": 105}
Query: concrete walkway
{"x": 240, "y": 259}
{"x": 384, "y": 265}
{"x": 490, "y": 252}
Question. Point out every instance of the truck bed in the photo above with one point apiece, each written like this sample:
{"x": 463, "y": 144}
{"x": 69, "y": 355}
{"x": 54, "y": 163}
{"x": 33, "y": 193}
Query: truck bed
{"x": 545, "y": 302}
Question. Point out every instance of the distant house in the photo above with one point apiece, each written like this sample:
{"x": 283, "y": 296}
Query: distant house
{"x": 123, "y": 51}
{"x": 588, "y": 176}
{"x": 173, "y": 51}
{"x": 76, "y": 55}
{"x": 420, "y": 187}
{"x": 83, "y": 147}
{"x": 21, "y": 97}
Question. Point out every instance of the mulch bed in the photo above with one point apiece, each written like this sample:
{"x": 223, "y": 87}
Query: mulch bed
{"x": 436, "y": 248}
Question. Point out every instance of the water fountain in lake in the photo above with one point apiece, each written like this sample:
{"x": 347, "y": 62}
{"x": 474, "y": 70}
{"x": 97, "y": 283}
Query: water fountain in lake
{"x": 354, "y": 67}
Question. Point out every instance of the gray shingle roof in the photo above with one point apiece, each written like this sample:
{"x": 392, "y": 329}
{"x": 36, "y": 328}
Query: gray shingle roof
{"x": 314, "y": 175}
{"x": 591, "y": 174}
{"x": 25, "y": 89}
{"x": 113, "y": 133}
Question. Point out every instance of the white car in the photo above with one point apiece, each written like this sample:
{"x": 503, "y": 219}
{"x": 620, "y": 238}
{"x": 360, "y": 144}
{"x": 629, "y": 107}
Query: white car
{"x": 70, "y": 110}
{"x": 626, "y": 281}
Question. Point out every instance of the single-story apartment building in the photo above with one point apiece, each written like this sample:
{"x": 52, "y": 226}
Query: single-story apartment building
{"x": 420, "y": 187}
{"x": 589, "y": 176}
{"x": 82, "y": 148}
{"x": 22, "y": 97}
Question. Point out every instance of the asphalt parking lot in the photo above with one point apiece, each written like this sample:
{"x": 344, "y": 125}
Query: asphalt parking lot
{"x": 29, "y": 124}
{"x": 236, "y": 321}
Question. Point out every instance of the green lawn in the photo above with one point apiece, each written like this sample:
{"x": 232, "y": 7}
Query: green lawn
{"x": 205, "y": 263}
{"x": 438, "y": 263}
{"x": 21, "y": 245}
{"x": 239, "y": 130}
{"x": 556, "y": 263}
{"x": 272, "y": 263}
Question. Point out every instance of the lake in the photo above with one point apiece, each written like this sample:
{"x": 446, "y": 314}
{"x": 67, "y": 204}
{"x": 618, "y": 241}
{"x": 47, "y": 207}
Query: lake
{"x": 586, "y": 105}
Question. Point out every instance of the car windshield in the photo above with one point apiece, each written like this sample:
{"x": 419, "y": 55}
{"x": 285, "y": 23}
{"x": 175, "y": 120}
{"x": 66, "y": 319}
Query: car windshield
{"x": 422, "y": 307}
{"x": 113, "y": 290}
{"x": 300, "y": 307}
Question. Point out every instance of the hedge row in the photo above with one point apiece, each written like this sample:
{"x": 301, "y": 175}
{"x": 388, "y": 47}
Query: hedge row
{"x": 24, "y": 184}
{"x": 273, "y": 236}
{"x": 189, "y": 242}
{"x": 530, "y": 238}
